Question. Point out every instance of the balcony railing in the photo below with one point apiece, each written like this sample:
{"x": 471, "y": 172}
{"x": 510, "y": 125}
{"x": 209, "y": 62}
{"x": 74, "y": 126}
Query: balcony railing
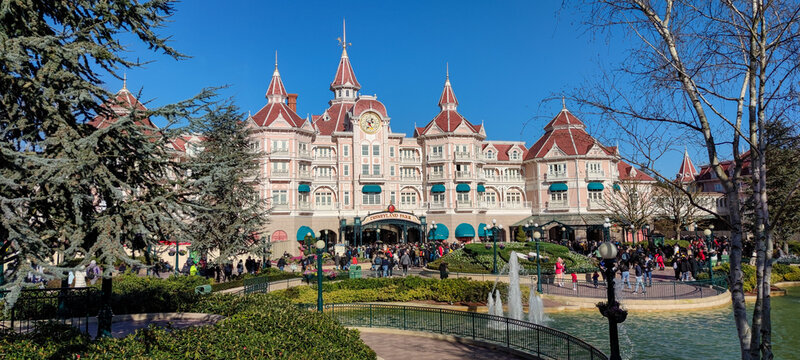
{"x": 304, "y": 205}
{"x": 464, "y": 156}
{"x": 515, "y": 204}
{"x": 463, "y": 174}
{"x": 435, "y": 176}
{"x": 436, "y": 156}
{"x": 513, "y": 178}
{"x": 557, "y": 205}
{"x": 324, "y": 157}
{"x": 326, "y": 206}
{"x": 279, "y": 153}
{"x": 410, "y": 178}
{"x": 304, "y": 175}
{"x": 465, "y": 205}
{"x": 436, "y": 205}
{"x": 280, "y": 207}
{"x": 595, "y": 204}
{"x": 324, "y": 177}
{"x": 595, "y": 174}
{"x": 279, "y": 173}
{"x": 410, "y": 160}
{"x": 555, "y": 176}
{"x": 304, "y": 154}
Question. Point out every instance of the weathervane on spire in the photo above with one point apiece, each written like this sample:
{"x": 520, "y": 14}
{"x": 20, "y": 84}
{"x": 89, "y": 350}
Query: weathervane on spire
{"x": 563, "y": 102}
{"x": 343, "y": 40}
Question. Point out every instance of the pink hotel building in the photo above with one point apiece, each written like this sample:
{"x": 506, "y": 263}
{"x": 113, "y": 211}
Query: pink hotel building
{"x": 347, "y": 177}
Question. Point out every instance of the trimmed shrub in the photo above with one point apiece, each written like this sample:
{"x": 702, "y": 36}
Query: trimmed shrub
{"x": 477, "y": 258}
{"x": 258, "y": 327}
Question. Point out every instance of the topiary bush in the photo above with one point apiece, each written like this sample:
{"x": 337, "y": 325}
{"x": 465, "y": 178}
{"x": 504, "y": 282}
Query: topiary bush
{"x": 477, "y": 258}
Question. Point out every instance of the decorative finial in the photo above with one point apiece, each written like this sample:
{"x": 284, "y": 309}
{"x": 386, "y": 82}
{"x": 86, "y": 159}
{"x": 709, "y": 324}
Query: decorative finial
{"x": 343, "y": 40}
{"x": 125, "y": 81}
{"x": 447, "y": 65}
{"x": 276, "y": 59}
{"x": 249, "y": 115}
{"x": 563, "y": 103}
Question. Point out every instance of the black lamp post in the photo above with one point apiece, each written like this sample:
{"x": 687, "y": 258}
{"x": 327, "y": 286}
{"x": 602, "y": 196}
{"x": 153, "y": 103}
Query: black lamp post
{"x": 536, "y": 236}
{"x": 708, "y": 233}
{"x": 320, "y": 244}
{"x": 608, "y": 252}
{"x": 357, "y": 230}
{"x": 495, "y": 228}
{"x": 432, "y": 233}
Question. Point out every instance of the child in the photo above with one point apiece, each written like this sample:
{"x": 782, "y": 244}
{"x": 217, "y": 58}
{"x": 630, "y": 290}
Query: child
{"x": 574, "y": 281}
{"x": 595, "y": 276}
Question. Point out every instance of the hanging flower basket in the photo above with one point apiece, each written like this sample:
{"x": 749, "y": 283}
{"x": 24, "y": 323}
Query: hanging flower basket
{"x": 613, "y": 311}
{"x": 488, "y": 246}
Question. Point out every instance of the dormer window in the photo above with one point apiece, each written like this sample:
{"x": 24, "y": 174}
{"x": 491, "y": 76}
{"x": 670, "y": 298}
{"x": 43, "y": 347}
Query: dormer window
{"x": 515, "y": 155}
{"x": 490, "y": 154}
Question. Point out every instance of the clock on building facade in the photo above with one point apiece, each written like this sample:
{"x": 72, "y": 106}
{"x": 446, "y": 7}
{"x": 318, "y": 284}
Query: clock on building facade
{"x": 370, "y": 122}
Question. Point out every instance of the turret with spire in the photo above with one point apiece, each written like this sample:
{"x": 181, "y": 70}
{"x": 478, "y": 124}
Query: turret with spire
{"x": 448, "y": 99}
{"x": 276, "y": 93}
{"x": 687, "y": 171}
{"x": 344, "y": 86}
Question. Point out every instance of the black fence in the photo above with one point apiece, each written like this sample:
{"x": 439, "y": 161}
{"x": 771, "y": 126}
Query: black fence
{"x": 658, "y": 290}
{"x": 71, "y": 306}
{"x": 518, "y": 335}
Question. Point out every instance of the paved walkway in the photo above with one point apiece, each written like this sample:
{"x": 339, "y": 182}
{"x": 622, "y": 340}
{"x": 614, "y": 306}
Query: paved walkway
{"x": 405, "y": 347}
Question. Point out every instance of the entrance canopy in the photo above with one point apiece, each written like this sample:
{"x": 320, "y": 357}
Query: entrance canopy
{"x": 465, "y": 230}
{"x": 391, "y": 216}
{"x": 303, "y": 231}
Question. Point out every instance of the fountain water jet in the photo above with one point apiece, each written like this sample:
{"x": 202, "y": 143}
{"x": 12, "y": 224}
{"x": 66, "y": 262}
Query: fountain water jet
{"x": 515, "y": 307}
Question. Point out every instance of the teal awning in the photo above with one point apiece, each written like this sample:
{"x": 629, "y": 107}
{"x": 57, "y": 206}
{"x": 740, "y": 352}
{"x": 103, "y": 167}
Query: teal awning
{"x": 616, "y": 187}
{"x": 438, "y": 188}
{"x": 462, "y": 187}
{"x": 482, "y": 230}
{"x": 371, "y": 189}
{"x": 595, "y": 186}
{"x": 441, "y": 233}
{"x": 304, "y": 188}
{"x": 302, "y": 232}
{"x": 481, "y": 188}
{"x": 558, "y": 187}
{"x": 465, "y": 230}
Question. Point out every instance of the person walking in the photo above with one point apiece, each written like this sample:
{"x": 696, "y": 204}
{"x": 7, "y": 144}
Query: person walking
{"x": 78, "y": 277}
{"x": 560, "y": 271}
{"x": 625, "y": 270}
{"x": 660, "y": 261}
{"x": 240, "y": 267}
{"x": 648, "y": 271}
{"x": 405, "y": 261}
{"x": 595, "y": 277}
{"x": 639, "y": 272}
{"x": 574, "y": 281}
{"x": 443, "y": 273}
{"x": 93, "y": 272}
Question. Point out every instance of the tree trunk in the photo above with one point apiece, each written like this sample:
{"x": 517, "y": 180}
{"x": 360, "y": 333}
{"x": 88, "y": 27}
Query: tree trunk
{"x": 735, "y": 277}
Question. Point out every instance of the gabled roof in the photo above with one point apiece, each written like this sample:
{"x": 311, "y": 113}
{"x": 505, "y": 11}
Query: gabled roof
{"x": 121, "y": 104}
{"x": 274, "y": 111}
{"x": 333, "y": 119}
{"x": 569, "y": 134}
{"x": 687, "y": 172}
{"x": 504, "y": 150}
{"x": 628, "y": 172}
{"x": 344, "y": 74}
{"x": 705, "y": 170}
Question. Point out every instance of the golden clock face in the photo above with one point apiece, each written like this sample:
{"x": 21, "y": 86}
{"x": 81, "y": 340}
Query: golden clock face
{"x": 370, "y": 122}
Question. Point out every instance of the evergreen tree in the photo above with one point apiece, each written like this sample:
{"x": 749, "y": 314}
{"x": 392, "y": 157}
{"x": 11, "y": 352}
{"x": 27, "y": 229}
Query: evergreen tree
{"x": 66, "y": 186}
{"x": 226, "y": 171}
{"x": 521, "y": 237}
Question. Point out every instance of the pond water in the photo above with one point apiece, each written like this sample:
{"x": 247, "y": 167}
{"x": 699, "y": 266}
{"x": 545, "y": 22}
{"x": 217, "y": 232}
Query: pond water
{"x": 702, "y": 334}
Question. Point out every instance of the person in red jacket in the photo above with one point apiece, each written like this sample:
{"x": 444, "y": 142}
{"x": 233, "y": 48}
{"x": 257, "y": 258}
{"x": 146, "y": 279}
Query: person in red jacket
{"x": 574, "y": 281}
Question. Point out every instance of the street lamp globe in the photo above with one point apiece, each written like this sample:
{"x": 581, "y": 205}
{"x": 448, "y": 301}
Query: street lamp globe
{"x": 606, "y": 224}
{"x": 494, "y": 221}
{"x": 537, "y": 235}
{"x": 536, "y": 224}
{"x": 320, "y": 244}
{"x": 711, "y": 226}
{"x": 707, "y": 232}
{"x": 500, "y": 226}
{"x": 608, "y": 251}
{"x": 308, "y": 234}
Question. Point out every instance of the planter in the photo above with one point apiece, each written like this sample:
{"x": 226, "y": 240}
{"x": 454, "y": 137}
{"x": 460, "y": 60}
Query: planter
{"x": 613, "y": 312}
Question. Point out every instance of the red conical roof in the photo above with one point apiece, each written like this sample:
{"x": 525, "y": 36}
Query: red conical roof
{"x": 276, "y": 85}
{"x": 344, "y": 74}
{"x": 448, "y": 96}
{"x": 687, "y": 172}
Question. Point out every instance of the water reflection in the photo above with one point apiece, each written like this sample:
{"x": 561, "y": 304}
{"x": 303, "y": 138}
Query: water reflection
{"x": 704, "y": 334}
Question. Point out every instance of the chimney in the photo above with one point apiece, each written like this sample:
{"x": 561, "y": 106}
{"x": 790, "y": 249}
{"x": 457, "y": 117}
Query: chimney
{"x": 293, "y": 102}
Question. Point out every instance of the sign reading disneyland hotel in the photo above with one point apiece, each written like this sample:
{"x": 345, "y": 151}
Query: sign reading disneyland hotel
{"x": 326, "y": 171}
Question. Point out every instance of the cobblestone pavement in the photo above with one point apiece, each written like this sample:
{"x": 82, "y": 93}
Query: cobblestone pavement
{"x": 405, "y": 347}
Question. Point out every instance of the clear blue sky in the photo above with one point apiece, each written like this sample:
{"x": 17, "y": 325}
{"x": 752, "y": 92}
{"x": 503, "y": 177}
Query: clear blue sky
{"x": 506, "y": 58}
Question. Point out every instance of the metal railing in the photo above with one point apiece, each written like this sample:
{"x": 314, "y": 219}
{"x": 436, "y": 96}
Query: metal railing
{"x": 518, "y": 335}
{"x": 71, "y": 306}
{"x": 262, "y": 284}
{"x": 658, "y": 290}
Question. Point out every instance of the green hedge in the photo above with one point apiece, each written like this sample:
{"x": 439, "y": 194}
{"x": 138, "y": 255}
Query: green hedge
{"x": 476, "y": 258}
{"x": 274, "y": 274}
{"x": 409, "y": 288}
{"x": 258, "y": 327}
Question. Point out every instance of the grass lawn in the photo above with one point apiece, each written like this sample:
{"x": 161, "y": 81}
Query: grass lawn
{"x": 476, "y": 258}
